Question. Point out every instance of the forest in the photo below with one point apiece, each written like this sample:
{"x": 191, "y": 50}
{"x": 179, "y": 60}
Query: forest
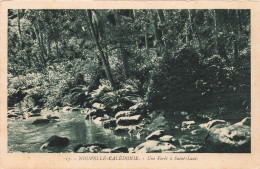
{"x": 137, "y": 71}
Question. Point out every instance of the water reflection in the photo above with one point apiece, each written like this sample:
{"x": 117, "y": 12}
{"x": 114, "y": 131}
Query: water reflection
{"x": 25, "y": 137}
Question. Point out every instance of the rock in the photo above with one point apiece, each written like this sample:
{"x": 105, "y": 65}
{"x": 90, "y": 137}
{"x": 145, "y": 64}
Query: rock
{"x": 56, "y": 108}
{"x": 66, "y": 109}
{"x": 36, "y": 110}
{"x": 131, "y": 150}
{"x": 191, "y": 146}
{"x": 180, "y": 151}
{"x": 97, "y": 120}
{"x": 166, "y": 138}
{"x": 137, "y": 106}
{"x": 56, "y": 141}
{"x": 87, "y": 146}
{"x": 152, "y": 146}
{"x": 184, "y": 113}
{"x": 120, "y": 149}
{"x": 201, "y": 132}
{"x": 98, "y": 106}
{"x": 121, "y": 129}
{"x": 212, "y": 123}
{"x": 109, "y": 123}
{"x": 34, "y": 115}
{"x": 94, "y": 149}
{"x": 122, "y": 114}
{"x": 52, "y": 117}
{"x": 82, "y": 150}
{"x": 224, "y": 138}
{"x": 41, "y": 121}
{"x": 186, "y": 125}
{"x": 12, "y": 116}
{"x": 155, "y": 135}
{"x": 125, "y": 121}
{"x": 246, "y": 121}
{"x": 106, "y": 150}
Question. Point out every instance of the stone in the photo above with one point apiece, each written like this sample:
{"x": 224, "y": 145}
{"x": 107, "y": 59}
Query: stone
{"x": 66, "y": 109}
{"x": 94, "y": 149}
{"x": 82, "y": 150}
{"x": 52, "y": 117}
{"x": 224, "y": 138}
{"x": 190, "y": 146}
{"x": 126, "y": 121}
{"x": 212, "y": 123}
{"x": 131, "y": 150}
{"x": 41, "y": 121}
{"x": 106, "y": 150}
{"x": 166, "y": 138}
{"x": 56, "y": 108}
{"x": 12, "y": 116}
{"x": 56, "y": 141}
{"x": 155, "y": 135}
{"x": 246, "y": 121}
{"x": 34, "y": 115}
{"x": 121, "y": 149}
{"x": 98, "y": 106}
{"x": 36, "y": 110}
{"x": 152, "y": 146}
{"x": 187, "y": 125}
{"x": 121, "y": 129}
{"x": 122, "y": 114}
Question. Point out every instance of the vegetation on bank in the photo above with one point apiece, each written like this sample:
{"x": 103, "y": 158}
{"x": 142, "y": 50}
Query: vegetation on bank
{"x": 168, "y": 60}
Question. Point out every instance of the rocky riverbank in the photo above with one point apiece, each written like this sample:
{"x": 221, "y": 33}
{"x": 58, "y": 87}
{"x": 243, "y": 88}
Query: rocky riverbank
{"x": 212, "y": 136}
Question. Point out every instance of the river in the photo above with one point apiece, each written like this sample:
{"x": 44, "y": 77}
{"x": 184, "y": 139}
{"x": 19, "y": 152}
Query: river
{"x": 23, "y": 136}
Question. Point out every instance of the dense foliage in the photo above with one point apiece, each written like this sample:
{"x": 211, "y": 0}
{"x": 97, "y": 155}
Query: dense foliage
{"x": 172, "y": 60}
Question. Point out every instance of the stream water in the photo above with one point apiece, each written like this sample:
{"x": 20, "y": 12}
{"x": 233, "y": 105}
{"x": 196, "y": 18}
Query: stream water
{"x": 23, "y": 136}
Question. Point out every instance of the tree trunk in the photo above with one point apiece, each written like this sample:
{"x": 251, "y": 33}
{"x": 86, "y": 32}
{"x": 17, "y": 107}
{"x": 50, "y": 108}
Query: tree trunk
{"x": 105, "y": 62}
{"x": 40, "y": 46}
{"x": 216, "y": 31}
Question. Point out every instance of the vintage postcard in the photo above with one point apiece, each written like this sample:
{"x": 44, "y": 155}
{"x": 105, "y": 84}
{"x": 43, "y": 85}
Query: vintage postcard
{"x": 129, "y": 84}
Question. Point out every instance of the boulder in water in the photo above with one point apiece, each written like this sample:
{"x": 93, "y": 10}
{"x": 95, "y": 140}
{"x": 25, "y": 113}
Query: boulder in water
{"x": 98, "y": 106}
{"x": 186, "y": 125}
{"x": 152, "y": 146}
{"x": 66, "y": 109}
{"x": 166, "y": 138}
{"x": 56, "y": 141}
{"x": 106, "y": 150}
{"x": 224, "y": 138}
{"x": 36, "y": 110}
{"x": 56, "y": 108}
{"x": 121, "y": 129}
{"x": 12, "y": 116}
{"x": 41, "y": 121}
{"x": 212, "y": 123}
{"x": 122, "y": 114}
{"x": 246, "y": 121}
{"x": 126, "y": 121}
{"x": 155, "y": 135}
{"x": 120, "y": 150}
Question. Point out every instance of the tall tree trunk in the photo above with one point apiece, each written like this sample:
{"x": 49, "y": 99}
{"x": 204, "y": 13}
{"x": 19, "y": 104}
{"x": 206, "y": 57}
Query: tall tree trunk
{"x": 216, "y": 31}
{"x": 123, "y": 50}
{"x": 40, "y": 46}
{"x": 237, "y": 30}
{"x": 105, "y": 62}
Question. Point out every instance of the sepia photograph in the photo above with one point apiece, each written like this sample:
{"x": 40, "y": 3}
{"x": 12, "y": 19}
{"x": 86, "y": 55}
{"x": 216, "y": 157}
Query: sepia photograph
{"x": 129, "y": 81}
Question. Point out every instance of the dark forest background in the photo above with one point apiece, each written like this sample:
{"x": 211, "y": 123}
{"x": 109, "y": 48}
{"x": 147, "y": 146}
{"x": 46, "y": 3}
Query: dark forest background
{"x": 170, "y": 60}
